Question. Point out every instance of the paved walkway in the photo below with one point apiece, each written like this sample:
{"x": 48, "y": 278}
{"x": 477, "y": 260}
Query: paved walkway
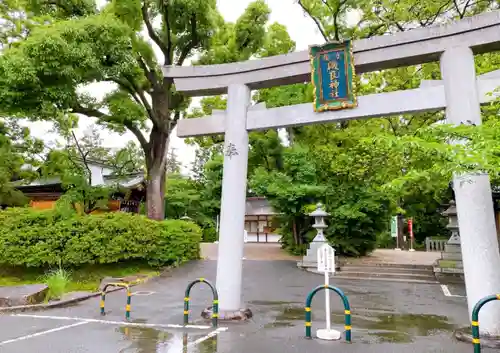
{"x": 393, "y": 317}
{"x": 273, "y": 251}
{"x": 397, "y": 257}
{"x": 252, "y": 251}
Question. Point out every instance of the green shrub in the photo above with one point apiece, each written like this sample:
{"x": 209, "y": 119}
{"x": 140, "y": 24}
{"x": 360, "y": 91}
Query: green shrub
{"x": 44, "y": 238}
{"x": 209, "y": 234}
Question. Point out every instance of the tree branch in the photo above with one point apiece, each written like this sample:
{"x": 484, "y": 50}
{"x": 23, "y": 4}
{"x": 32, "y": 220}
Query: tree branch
{"x": 106, "y": 118}
{"x": 465, "y": 8}
{"x": 133, "y": 88}
{"x": 392, "y": 126}
{"x": 169, "y": 35}
{"x": 192, "y": 44}
{"x": 127, "y": 86}
{"x": 457, "y": 8}
{"x": 335, "y": 17}
{"x": 318, "y": 24}
{"x": 150, "y": 75}
{"x": 438, "y": 12}
{"x": 153, "y": 35}
{"x": 84, "y": 157}
{"x": 374, "y": 30}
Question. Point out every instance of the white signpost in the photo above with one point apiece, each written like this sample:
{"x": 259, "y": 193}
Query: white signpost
{"x": 326, "y": 264}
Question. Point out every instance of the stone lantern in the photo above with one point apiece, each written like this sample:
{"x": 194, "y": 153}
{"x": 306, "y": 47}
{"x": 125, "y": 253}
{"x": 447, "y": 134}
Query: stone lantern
{"x": 450, "y": 266}
{"x": 310, "y": 261}
{"x": 452, "y": 225}
{"x": 319, "y": 223}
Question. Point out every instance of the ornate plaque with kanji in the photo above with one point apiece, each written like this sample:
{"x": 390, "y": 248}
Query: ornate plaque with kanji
{"x": 332, "y": 74}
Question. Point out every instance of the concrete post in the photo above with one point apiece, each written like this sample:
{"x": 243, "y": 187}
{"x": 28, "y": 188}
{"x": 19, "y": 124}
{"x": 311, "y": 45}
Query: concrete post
{"x": 231, "y": 239}
{"x": 480, "y": 254}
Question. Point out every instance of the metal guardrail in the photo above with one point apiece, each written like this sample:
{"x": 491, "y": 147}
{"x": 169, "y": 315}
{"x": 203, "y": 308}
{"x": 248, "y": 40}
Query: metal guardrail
{"x": 215, "y": 302}
{"x": 347, "y": 310}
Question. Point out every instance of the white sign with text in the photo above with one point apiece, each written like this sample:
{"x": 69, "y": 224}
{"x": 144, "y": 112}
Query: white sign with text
{"x": 326, "y": 259}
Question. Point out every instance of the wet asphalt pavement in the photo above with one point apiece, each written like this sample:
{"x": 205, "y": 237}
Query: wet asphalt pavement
{"x": 386, "y": 317}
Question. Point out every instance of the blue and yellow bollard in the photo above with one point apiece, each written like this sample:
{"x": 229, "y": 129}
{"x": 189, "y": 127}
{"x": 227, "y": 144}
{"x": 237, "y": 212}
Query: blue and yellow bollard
{"x": 215, "y": 302}
{"x": 347, "y": 310}
{"x": 129, "y": 298}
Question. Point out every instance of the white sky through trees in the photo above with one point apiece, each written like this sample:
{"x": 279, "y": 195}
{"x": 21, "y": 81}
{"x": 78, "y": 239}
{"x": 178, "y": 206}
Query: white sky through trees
{"x": 301, "y": 29}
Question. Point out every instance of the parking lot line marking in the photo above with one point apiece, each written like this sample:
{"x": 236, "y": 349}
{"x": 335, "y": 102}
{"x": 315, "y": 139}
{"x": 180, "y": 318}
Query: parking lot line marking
{"x": 22, "y": 338}
{"x": 447, "y": 292}
{"x": 204, "y": 338}
{"x": 121, "y": 323}
{"x": 143, "y": 293}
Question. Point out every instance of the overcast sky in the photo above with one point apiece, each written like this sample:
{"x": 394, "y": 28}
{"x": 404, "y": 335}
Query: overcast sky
{"x": 287, "y": 12}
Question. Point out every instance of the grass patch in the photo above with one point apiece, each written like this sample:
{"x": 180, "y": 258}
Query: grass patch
{"x": 58, "y": 281}
{"x": 86, "y": 278}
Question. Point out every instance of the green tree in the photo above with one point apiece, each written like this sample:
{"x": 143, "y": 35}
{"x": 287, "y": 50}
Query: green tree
{"x": 290, "y": 191}
{"x": 76, "y": 44}
{"x": 18, "y": 160}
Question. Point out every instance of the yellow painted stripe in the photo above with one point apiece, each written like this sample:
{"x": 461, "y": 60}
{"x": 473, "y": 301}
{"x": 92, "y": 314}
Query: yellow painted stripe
{"x": 202, "y": 279}
{"x": 215, "y": 315}
{"x": 347, "y": 327}
{"x": 475, "y": 323}
{"x": 308, "y": 324}
{"x": 216, "y": 301}
{"x": 186, "y": 299}
{"x": 102, "y": 304}
{"x": 186, "y": 312}
{"x": 127, "y": 307}
{"x": 475, "y": 340}
{"x": 308, "y": 308}
{"x": 347, "y": 312}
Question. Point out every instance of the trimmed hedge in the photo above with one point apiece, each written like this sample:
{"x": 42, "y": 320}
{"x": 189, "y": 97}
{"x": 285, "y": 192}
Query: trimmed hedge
{"x": 44, "y": 238}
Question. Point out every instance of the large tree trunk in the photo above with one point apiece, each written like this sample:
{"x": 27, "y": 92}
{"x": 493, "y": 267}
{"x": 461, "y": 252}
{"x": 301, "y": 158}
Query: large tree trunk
{"x": 156, "y": 170}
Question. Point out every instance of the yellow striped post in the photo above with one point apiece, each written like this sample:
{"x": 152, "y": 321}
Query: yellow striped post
{"x": 347, "y": 310}
{"x": 475, "y": 320}
{"x": 129, "y": 298}
{"x": 215, "y": 301}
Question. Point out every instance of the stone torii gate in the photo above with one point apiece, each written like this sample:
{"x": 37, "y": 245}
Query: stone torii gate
{"x": 460, "y": 93}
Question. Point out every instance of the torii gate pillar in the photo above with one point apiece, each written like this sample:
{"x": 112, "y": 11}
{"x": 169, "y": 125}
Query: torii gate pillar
{"x": 481, "y": 257}
{"x": 234, "y": 186}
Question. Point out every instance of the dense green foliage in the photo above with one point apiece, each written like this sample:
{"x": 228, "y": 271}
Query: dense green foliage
{"x": 367, "y": 171}
{"x": 17, "y": 149}
{"x": 363, "y": 171}
{"x": 46, "y": 238}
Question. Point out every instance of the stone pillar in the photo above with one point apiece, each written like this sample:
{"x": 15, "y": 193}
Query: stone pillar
{"x": 480, "y": 254}
{"x": 232, "y": 220}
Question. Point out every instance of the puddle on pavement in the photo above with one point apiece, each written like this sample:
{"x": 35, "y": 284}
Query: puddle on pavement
{"x": 151, "y": 340}
{"x": 383, "y": 326}
{"x": 391, "y": 337}
{"x": 279, "y": 324}
{"x": 271, "y": 302}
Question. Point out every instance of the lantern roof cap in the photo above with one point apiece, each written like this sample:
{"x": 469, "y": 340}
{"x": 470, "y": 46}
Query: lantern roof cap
{"x": 319, "y": 212}
{"x": 451, "y": 210}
